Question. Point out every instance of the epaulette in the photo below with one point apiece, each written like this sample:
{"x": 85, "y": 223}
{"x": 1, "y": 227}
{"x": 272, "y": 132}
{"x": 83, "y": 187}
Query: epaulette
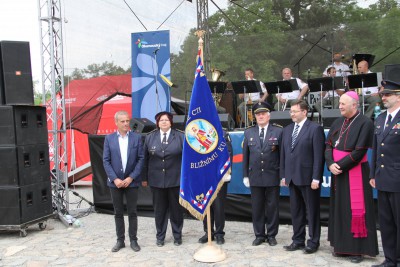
{"x": 277, "y": 125}
{"x": 152, "y": 131}
{"x": 179, "y": 130}
{"x": 227, "y": 137}
{"x": 248, "y": 127}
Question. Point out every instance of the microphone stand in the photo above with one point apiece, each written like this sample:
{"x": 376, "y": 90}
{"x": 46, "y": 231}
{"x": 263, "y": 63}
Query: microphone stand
{"x": 156, "y": 78}
{"x": 309, "y": 50}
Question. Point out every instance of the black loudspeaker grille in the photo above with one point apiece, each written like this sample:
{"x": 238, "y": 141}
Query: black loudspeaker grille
{"x": 392, "y": 72}
{"x": 281, "y": 117}
{"x": 23, "y": 125}
{"x": 226, "y": 121}
{"x": 24, "y": 165}
{"x": 142, "y": 125}
{"x": 16, "y": 87}
{"x": 26, "y": 203}
{"x": 329, "y": 116}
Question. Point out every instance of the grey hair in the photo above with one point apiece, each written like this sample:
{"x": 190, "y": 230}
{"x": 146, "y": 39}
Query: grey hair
{"x": 119, "y": 113}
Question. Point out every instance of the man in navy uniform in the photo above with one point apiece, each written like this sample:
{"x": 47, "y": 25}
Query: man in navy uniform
{"x": 123, "y": 162}
{"x": 301, "y": 168}
{"x": 385, "y": 169}
{"x": 261, "y": 173}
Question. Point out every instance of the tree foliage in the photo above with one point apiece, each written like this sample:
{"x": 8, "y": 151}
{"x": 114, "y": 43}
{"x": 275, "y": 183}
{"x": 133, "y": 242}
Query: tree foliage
{"x": 268, "y": 35}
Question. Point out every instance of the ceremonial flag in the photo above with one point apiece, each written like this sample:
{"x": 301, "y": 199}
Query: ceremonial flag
{"x": 205, "y": 154}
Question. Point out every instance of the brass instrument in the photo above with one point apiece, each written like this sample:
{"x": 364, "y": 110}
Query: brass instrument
{"x": 355, "y": 72}
{"x": 216, "y": 74}
{"x": 249, "y": 106}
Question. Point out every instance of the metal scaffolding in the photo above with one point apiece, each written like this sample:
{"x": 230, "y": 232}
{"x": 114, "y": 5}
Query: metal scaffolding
{"x": 202, "y": 24}
{"x": 53, "y": 98}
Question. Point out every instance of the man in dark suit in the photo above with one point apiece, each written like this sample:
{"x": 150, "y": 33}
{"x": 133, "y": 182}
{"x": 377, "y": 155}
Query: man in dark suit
{"x": 301, "y": 166}
{"x": 385, "y": 169}
{"x": 123, "y": 162}
{"x": 261, "y": 172}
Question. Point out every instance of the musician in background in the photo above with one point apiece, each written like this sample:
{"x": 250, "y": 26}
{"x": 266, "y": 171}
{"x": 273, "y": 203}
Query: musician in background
{"x": 371, "y": 95}
{"x": 329, "y": 98}
{"x": 285, "y": 99}
{"x": 342, "y": 70}
{"x": 250, "y": 98}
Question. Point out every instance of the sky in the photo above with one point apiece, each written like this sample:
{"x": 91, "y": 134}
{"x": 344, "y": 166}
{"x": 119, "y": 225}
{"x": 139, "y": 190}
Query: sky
{"x": 96, "y": 31}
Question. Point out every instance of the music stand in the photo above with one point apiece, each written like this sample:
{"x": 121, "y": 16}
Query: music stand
{"x": 361, "y": 81}
{"x": 323, "y": 84}
{"x": 285, "y": 86}
{"x": 246, "y": 87}
{"x": 217, "y": 88}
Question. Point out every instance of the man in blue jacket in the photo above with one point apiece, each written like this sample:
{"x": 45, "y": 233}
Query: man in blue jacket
{"x": 123, "y": 162}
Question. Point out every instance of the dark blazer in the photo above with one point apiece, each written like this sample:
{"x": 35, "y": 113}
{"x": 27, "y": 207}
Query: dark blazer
{"x": 385, "y": 163}
{"x": 112, "y": 159}
{"x": 261, "y": 164}
{"x": 305, "y": 162}
{"x": 162, "y": 167}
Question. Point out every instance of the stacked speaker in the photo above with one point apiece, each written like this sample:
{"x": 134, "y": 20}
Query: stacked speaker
{"x": 25, "y": 186}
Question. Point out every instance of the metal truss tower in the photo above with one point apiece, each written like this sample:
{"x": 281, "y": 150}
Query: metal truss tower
{"x": 202, "y": 24}
{"x": 53, "y": 85}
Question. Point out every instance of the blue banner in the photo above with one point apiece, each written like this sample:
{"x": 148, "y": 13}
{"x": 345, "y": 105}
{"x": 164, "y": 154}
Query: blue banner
{"x": 205, "y": 157}
{"x": 150, "y": 58}
{"x": 236, "y": 185}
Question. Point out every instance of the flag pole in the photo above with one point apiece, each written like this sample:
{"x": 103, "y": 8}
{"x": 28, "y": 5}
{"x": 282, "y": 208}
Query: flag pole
{"x": 208, "y": 253}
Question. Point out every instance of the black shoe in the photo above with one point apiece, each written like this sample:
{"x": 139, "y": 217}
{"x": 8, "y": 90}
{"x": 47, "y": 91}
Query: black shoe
{"x": 258, "y": 241}
{"x": 309, "y": 250}
{"x": 118, "y": 246}
{"x": 385, "y": 264}
{"x": 135, "y": 246}
{"x": 356, "y": 259}
{"x": 178, "y": 242}
{"x": 160, "y": 243}
{"x": 293, "y": 247}
{"x": 338, "y": 255}
{"x": 204, "y": 239}
{"x": 272, "y": 241}
{"x": 220, "y": 240}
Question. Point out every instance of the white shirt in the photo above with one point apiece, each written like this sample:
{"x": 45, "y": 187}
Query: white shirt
{"x": 123, "y": 148}
{"x": 370, "y": 90}
{"x": 162, "y": 134}
{"x": 255, "y": 96}
{"x": 342, "y": 70}
{"x": 394, "y": 113}
{"x": 265, "y": 131}
{"x": 295, "y": 93}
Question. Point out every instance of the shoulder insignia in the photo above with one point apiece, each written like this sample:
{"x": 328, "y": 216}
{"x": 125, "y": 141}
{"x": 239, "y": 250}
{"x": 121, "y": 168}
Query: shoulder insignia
{"x": 277, "y": 125}
{"x": 178, "y": 130}
{"x": 152, "y": 131}
{"x": 251, "y": 126}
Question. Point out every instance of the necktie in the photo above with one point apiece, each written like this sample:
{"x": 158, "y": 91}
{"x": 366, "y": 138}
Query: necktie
{"x": 262, "y": 136}
{"x": 389, "y": 120}
{"x": 164, "y": 140}
{"x": 295, "y": 133}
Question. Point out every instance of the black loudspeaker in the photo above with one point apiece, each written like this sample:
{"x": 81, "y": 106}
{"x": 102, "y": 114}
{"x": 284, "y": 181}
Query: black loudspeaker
{"x": 179, "y": 122}
{"x": 281, "y": 117}
{"x": 23, "y": 125}
{"x": 392, "y": 72}
{"x": 24, "y": 165}
{"x": 16, "y": 85}
{"x": 23, "y": 204}
{"x": 142, "y": 125}
{"x": 329, "y": 116}
{"x": 226, "y": 121}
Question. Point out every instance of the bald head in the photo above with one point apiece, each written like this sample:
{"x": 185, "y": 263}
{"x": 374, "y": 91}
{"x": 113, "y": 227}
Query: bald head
{"x": 362, "y": 67}
{"x": 348, "y": 106}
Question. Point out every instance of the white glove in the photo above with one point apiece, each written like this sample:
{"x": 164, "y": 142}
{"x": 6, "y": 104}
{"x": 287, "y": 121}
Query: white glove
{"x": 246, "y": 182}
{"x": 227, "y": 177}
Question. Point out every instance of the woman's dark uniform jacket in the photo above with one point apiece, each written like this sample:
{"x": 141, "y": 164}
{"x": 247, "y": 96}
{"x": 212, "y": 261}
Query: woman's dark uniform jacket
{"x": 162, "y": 163}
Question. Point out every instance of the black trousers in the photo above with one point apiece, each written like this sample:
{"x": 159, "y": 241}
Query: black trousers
{"x": 389, "y": 220}
{"x": 265, "y": 210}
{"x": 217, "y": 211}
{"x": 305, "y": 207}
{"x": 131, "y": 196}
{"x": 166, "y": 204}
